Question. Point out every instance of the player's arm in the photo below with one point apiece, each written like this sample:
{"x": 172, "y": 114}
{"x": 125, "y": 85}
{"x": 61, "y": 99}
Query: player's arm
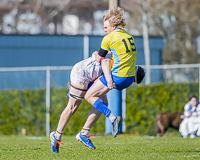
{"x": 106, "y": 64}
{"x": 105, "y": 47}
{"x": 97, "y": 57}
{"x": 101, "y": 54}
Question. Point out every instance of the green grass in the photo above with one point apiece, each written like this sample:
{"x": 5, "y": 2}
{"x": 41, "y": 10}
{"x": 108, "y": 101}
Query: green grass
{"x": 123, "y": 148}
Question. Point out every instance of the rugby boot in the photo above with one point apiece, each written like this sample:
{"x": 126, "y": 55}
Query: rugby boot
{"x": 85, "y": 140}
{"x": 116, "y": 124}
{"x": 55, "y": 143}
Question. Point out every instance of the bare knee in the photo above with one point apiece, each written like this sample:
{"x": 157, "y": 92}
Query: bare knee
{"x": 92, "y": 100}
{"x": 89, "y": 98}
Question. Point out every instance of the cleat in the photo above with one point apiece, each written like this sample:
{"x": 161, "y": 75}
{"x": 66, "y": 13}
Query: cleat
{"x": 85, "y": 140}
{"x": 116, "y": 124}
{"x": 55, "y": 143}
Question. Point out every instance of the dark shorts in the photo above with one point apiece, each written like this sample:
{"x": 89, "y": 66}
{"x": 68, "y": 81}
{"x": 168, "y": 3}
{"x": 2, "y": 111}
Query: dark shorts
{"x": 121, "y": 82}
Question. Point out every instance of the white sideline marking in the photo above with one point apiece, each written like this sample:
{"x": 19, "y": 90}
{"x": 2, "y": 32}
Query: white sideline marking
{"x": 34, "y": 138}
{"x": 191, "y": 156}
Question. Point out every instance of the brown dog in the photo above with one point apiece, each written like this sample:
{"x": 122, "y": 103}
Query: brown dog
{"x": 166, "y": 120}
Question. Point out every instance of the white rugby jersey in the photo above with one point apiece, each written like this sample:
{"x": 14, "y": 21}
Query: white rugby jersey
{"x": 93, "y": 69}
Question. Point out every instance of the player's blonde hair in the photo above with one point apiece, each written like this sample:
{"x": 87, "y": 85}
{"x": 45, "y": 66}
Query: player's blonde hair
{"x": 115, "y": 17}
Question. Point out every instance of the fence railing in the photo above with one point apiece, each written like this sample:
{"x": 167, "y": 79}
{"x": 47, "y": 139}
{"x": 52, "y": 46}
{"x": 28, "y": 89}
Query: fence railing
{"x": 179, "y": 73}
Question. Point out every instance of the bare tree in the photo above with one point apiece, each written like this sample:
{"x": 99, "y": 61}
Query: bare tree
{"x": 181, "y": 32}
{"x": 146, "y": 10}
{"x": 178, "y": 23}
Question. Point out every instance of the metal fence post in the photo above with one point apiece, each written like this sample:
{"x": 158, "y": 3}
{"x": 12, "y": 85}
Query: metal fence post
{"x": 86, "y": 46}
{"x": 123, "y": 110}
{"x": 199, "y": 81}
{"x": 47, "y": 101}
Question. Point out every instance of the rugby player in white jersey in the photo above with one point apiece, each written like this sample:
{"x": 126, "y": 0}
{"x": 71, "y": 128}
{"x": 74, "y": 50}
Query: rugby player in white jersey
{"x": 83, "y": 74}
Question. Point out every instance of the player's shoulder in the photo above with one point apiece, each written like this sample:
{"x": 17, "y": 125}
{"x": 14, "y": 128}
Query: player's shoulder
{"x": 108, "y": 38}
{"x": 110, "y": 35}
{"x": 123, "y": 34}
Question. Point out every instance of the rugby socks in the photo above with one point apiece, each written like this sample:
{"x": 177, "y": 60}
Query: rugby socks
{"x": 112, "y": 117}
{"x": 85, "y": 131}
{"x": 101, "y": 106}
{"x": 58, "y": 135}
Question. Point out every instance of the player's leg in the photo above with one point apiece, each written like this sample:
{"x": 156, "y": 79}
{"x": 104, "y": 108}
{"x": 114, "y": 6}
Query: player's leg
{"x": 93, "y": 116}
{"x": 99, "y": 88}
{"x": 75, "y": 99}
{"x": 77, "y": 89}
{"x": 71, "y": 108}
{"x": 92, "y": 96}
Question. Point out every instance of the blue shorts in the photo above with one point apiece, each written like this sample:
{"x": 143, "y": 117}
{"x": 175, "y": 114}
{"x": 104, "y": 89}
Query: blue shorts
{"x": 121, "y": 82}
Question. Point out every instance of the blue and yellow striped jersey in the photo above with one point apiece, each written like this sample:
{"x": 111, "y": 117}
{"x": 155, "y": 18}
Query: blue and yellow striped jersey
{"x": 124, "y": 54}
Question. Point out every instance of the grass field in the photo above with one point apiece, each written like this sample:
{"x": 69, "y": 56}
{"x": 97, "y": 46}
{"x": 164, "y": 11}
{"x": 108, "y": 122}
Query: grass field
{"x": 123, "y": 147}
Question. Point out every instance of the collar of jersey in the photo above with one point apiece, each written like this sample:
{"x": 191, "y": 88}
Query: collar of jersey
{"x": 117, "y": 28}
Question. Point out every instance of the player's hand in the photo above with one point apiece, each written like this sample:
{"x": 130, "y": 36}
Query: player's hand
{"x": 97, "y": 57}
{"x": 111, "y": 85}
{"x": 95, "y": 52}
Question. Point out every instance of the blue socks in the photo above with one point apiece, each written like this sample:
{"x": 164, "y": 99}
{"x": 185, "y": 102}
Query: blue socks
{"x": 101, "y": 106}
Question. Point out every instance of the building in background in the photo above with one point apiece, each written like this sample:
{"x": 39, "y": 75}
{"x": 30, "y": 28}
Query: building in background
{"x": 43, "y": 51}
